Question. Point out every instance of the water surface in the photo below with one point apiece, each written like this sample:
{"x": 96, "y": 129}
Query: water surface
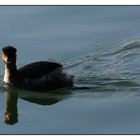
{"x": 99, "y": 45}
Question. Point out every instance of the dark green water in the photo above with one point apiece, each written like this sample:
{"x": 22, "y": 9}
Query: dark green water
{"x": 100, "y": 45}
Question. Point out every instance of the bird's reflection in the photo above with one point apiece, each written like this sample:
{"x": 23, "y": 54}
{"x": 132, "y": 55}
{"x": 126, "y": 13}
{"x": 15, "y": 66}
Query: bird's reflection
{"x": 12, "y": 95}
{"x": 11, "y": 114}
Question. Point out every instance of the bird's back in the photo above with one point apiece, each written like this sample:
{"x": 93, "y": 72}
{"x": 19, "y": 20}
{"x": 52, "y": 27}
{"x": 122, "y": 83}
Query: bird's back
{"x": 42, "y": 76}
{"x": 38, "y": 69}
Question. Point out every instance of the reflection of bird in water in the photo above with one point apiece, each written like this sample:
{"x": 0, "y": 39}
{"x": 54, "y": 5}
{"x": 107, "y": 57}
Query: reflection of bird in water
{"x": 12, "y": 95}
{"x": 42, "y": 101}
{"x": 11, "y": 114}
{"x": 36, "y": 76}
{"x": 49, "y": 98}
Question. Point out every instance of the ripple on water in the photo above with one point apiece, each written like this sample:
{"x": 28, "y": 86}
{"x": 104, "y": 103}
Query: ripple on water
{"x": 114, "y": 69}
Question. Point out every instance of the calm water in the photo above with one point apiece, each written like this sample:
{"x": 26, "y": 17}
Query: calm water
{"x": 100, "y": 45}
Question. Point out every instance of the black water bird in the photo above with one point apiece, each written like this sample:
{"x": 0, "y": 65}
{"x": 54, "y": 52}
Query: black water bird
{"x": 36, "y": 76}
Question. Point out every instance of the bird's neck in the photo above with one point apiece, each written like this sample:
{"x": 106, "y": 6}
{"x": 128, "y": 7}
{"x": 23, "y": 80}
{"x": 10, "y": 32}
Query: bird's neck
{"x": 10, "y": 72}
